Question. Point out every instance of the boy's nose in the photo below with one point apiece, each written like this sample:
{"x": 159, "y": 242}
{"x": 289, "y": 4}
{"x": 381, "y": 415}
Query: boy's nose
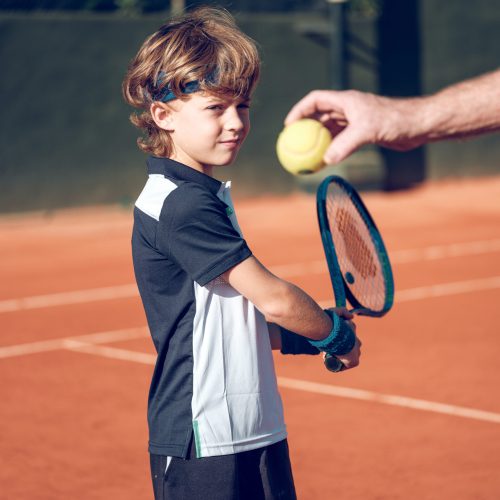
{"x": 234, "y": 120}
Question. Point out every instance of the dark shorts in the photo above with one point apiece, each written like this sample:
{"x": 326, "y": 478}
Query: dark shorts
{"x": 260, "y": 474}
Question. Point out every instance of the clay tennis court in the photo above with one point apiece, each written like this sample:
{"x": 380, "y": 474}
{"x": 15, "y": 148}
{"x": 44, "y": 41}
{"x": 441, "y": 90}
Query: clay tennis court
{"x": 418, "y": 419}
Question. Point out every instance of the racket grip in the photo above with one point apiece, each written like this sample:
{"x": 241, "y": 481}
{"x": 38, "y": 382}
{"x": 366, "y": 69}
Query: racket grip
{"x": 333, "y": 364}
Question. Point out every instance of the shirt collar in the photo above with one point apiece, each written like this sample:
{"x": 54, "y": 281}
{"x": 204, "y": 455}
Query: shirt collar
{"x": 175, "y": 170}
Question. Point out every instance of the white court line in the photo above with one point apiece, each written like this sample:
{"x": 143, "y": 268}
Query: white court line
{"x": 111, "y": 352}
{"x": 388, "y": 399}
{"x": 56, "y": 344}
{"x": 445, "y": 251}
{"x": 89, "y": 344}
{"x": 399, "y": 257}
{"x": 129, "y": 291}
{"x": 65, "y": 298}
{"x": 284, "y": 271}
{"x": 330, "y": 390}
{"x": 446, "y": 289}
{"x": 440, "y": 290}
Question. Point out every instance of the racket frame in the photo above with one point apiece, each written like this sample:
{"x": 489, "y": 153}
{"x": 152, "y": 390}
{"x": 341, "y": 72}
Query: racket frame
{"x": 341, "y": 288}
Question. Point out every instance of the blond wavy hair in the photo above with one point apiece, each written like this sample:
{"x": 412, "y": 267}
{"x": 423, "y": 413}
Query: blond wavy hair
{"x": 204, "y": 46}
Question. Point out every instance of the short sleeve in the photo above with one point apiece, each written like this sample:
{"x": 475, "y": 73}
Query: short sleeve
{"x": 195, "y": 231}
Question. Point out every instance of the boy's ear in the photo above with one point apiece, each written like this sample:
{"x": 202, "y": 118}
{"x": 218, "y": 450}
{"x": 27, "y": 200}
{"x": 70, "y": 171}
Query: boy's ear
{"x": 162, "y": 115}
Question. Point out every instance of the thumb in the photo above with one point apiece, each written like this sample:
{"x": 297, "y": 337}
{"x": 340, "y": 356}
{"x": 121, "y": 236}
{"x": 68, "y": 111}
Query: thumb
{"x": 343, "y": 145}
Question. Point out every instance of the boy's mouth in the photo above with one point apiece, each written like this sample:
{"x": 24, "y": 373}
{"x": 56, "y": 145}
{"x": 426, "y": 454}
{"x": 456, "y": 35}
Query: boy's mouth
{"x": 231, "y": 143}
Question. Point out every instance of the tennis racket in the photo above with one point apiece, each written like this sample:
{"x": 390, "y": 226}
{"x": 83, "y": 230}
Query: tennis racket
{"x": 358, "y": 263}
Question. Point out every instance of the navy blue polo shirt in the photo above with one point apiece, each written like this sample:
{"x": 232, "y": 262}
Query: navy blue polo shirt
{"x": 214, "y": 378}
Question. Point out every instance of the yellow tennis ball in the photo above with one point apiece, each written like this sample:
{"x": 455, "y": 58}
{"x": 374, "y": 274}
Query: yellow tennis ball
{"x": 301, "y": 146}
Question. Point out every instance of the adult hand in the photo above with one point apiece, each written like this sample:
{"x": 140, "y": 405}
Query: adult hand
{"x": 358, "y": 118}
{"x": 465, "y": 109}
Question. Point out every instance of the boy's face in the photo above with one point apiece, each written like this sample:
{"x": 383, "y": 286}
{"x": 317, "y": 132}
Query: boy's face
{"x": 208, "y": 130}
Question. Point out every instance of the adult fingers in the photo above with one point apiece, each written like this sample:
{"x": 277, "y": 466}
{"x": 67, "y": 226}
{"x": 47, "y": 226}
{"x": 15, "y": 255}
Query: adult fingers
{"x": 317, "y": 101}
{"x": 343, "y": 145}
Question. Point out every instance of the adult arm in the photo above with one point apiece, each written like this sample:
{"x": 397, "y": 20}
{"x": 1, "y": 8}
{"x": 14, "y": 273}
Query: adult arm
{"x": 355, "y": 118}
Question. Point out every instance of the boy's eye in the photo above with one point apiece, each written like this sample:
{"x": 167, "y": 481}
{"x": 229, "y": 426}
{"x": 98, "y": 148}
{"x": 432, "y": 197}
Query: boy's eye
{"x": 216, "y": 107}
{"x": 244, "y": 105}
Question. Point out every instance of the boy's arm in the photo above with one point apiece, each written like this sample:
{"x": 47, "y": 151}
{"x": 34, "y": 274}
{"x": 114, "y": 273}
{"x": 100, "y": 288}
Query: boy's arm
{"x": 274, "y": 336}
{"x": 284, "y": 304}
{"x": 281, "y": 302}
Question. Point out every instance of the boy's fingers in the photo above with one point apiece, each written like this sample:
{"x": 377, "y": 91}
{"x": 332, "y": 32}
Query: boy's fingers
{"x": 343, "y": 312}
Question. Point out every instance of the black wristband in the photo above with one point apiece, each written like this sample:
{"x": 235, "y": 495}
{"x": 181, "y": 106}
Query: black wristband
{"x": 292, "y": 343}
{"x": 341, "y": 339}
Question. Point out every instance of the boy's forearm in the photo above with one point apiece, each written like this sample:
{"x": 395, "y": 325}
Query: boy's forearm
{"x": 280, "y": 301}
{"x": 299, "y": 313}
{"x": 298, "y": 317}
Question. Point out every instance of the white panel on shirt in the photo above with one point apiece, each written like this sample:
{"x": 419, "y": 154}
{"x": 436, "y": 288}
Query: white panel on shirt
{"x": 236, "y": 403}
{"x": 151, "y": 199}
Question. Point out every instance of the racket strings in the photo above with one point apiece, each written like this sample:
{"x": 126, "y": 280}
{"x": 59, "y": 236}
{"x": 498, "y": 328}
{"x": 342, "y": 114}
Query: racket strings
{"x": 356, "y": 251}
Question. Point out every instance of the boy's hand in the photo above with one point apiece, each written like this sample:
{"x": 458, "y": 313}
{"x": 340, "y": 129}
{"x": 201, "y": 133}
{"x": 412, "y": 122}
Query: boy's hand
{"x": 343, "y": 312}
{"x": 351, "y": 359}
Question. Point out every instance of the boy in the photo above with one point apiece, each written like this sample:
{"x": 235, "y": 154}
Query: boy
{"x": 215, "y": 416}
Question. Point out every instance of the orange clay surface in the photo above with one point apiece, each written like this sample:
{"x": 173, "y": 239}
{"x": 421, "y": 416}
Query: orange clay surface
{"x": 418, "y": 419}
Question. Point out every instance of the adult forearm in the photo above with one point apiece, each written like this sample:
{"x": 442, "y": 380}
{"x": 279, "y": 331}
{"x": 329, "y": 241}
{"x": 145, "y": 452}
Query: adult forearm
{"x": 462, "y": 110}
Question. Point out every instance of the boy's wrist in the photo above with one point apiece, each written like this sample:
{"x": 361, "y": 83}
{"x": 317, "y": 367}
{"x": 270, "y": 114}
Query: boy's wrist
{"x": 292, "y": 343}
{"x": 340, "y": 340}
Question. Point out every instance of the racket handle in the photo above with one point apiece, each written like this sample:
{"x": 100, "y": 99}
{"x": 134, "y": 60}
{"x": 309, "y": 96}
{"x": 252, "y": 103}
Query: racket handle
{"x": 332, "y": 363}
